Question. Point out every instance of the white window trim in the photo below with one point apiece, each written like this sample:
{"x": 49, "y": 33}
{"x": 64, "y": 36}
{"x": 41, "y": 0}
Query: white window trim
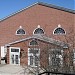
{"x": 29, "y": 58}
{"x": 32, "y": 45}
{"x": 37, "y": 28}
{"x": 59, "y": 26}
{"x": 18, "y": 29}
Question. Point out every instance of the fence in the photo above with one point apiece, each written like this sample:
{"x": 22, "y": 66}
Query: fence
{"x": 55, "y": 73}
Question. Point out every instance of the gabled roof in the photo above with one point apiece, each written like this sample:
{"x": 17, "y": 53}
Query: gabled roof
{"x": 42, "y": 38}
{"x": 43, "y": 4}
{"x": 57, "y": 7}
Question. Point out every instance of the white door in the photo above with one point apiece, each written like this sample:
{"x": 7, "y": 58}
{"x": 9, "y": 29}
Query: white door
{"x": 15, "y": 55}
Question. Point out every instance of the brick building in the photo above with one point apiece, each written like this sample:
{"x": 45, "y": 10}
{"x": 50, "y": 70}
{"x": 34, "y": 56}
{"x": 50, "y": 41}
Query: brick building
{"x": 36, "y": 32}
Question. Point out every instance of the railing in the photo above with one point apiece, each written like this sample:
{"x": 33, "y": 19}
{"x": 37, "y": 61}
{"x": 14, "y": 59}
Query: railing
{"x": 55, "y": 73}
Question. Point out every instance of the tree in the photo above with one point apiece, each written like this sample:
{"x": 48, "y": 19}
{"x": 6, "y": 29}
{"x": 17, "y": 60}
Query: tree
{"x": 54, "y": 57}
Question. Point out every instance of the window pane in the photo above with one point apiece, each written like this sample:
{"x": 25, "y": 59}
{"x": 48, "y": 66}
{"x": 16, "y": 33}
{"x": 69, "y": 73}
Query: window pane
{"x": 33, "y": 42}
{"x": 56, "y": 57}
{"x": 36, "y": 60}
{"x": 12, "y": 57}
{"x": 16, "y": 59}
{"x": 14, "y": 50}
{"x": 34, "y": 56}
{"x": 34, "y": 51}
{"x": 31, "y": 60}
{"x": 39, "y": 31}
{"x": 59, "y": 31}
{"x": 20, "y": 31}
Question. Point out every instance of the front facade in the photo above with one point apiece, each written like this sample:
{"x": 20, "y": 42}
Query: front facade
{"x": 36, "y": 32}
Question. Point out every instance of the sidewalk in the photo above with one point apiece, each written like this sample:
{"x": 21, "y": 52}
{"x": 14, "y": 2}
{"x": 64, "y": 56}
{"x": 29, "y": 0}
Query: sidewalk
{"x": 15, "y": 70}
{"x": 11, "y": 70}
{"x": 7, "y": 69}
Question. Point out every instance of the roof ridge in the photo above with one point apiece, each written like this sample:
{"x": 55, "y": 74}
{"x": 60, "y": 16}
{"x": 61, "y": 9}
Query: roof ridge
{"x": 57, "y": 7}
{"x": 41, "y": 3}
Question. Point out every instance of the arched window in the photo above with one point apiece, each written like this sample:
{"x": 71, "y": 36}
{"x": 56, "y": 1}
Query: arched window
{"x": 33, "y": 54}
{"x": 38, "y": 30}
{"x": 33, "y": 42}
{"x": 59, "y": 31}
{"x": 20, "y": 31}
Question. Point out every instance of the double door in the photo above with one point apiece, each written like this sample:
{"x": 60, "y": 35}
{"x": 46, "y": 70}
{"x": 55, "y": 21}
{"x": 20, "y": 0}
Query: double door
{"x": 15, "y": 56}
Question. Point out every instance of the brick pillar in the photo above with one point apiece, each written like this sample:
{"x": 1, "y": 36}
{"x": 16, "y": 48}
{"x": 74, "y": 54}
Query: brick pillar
{"x": 8, "y": 55}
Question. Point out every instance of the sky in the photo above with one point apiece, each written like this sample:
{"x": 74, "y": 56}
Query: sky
{"x": 8, "y": 7}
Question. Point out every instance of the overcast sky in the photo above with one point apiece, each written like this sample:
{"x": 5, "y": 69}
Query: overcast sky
{"x": 8, "y": 7}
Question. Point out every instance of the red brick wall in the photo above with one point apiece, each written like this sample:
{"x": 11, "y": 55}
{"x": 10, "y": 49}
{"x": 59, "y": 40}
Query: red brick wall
{"x": 44, "y": 47}
{"x": 23, "y": 48}
{"x": 29, "y": 19}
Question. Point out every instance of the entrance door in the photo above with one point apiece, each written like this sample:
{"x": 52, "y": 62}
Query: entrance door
{"x": 14, "y": 55}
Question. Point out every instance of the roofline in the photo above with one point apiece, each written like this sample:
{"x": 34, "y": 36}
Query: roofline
{"x": 43, "y": 4}
{"x": 41, "y": 38}
{"x": 18, "y": 11}
{"x": 57, "y": 7}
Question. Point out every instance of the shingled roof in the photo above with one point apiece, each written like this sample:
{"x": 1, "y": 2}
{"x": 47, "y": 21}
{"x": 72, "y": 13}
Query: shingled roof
{"x": 43, "y": 4}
